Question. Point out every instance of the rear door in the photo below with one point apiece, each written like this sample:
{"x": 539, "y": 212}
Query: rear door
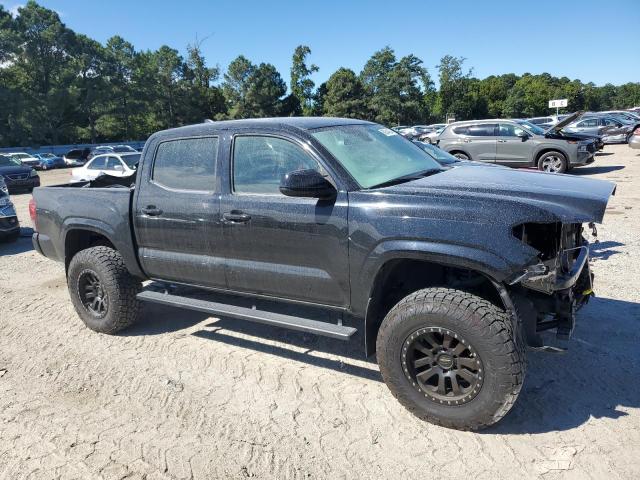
{"x": 480, "y": 142}
{"x": 512, "y": 150}
{"x": 287, "y": 247}
{"x": 177, "y": 212}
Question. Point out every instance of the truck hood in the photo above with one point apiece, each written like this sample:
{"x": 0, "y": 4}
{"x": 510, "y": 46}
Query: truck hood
{"x": 553, "y": 197}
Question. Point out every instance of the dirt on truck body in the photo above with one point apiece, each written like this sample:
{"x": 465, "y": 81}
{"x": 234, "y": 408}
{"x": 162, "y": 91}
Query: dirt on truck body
{"x": 451, "y": 273}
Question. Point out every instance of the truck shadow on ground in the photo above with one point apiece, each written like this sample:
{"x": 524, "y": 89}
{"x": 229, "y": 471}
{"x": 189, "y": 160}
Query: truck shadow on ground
{"x": 604, "y": 250}
{"x": 596, "y": 170}
{"x": 23, "y": 244}
{"x": 596, "y": 378}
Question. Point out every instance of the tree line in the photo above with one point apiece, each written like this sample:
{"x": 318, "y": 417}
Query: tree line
{"x": 58, "y": 86}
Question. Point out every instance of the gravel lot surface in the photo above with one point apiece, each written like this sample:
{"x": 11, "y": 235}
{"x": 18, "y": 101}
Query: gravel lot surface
{"x": 184, "y": 396}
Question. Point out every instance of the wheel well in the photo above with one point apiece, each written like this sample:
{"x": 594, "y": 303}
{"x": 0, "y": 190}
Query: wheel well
{"x": 78, "y": 240}
{"x": 547, "y": 150}
{"x": 456, "y": 150}
{"x": 401, "y": 277}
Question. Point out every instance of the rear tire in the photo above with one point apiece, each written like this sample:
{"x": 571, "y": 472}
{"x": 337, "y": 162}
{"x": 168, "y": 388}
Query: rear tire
{"x": 102, "y": 290}
{"x": 553, "y": 162}
{"x": 479, "y": 349}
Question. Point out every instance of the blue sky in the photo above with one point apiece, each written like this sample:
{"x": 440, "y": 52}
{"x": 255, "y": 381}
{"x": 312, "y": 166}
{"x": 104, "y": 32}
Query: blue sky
{"x": 589, "y": 40}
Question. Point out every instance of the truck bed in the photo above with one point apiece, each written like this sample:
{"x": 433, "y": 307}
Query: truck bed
{"x": 61, "y": 209}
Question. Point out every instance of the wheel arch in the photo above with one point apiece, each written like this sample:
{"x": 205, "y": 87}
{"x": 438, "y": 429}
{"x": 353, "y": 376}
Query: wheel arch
{"x": 405, "y": 272}
{"x": 547, "y": 149}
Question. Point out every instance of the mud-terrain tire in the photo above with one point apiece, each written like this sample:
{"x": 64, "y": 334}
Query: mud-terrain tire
{"x": 102, "y": 290}
{"x": 459, "y": 320}
{"x": 553, "y": 162}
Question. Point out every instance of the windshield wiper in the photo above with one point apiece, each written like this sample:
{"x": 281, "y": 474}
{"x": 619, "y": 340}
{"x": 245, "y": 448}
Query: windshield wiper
{"x": 408, "y": 178}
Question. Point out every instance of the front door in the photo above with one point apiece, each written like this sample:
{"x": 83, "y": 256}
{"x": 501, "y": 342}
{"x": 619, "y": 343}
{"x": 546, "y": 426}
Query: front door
{"x": 512, "y": 150}
{"x": 177, "y": 213}
{"x": 287, "y": 247}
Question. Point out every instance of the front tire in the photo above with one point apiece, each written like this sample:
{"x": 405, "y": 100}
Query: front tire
{"x": 451, "y": 358}
{"x": 553, "y": 162}
{"x": 102, "y": 290}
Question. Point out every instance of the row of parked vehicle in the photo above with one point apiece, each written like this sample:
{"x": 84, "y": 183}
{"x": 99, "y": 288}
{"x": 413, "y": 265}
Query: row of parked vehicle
{"x": 565, "y": 142}
{"x": 73, "y": 158}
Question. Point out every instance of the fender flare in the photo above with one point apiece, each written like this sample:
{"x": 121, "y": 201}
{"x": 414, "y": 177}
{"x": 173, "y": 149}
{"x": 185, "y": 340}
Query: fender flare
{"x": 104, "y": 229}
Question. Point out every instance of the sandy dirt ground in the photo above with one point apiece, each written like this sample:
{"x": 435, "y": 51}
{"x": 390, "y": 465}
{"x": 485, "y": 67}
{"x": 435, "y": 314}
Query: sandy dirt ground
{"x": 181, "y": 395}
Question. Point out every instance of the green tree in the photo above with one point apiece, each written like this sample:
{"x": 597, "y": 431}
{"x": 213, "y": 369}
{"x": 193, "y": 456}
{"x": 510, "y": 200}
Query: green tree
{"x": 265, "y": 88}
{"x": 301, "y": 84}
{"x": 345, "y": 96}
{"x": 236, "y": 85}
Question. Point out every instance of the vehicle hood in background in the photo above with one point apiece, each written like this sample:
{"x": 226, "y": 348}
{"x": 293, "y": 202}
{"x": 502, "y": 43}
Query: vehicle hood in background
{"x": 563, "y": 123}
{"x": 14, "y": 170}
{"x": 565, "y": 198}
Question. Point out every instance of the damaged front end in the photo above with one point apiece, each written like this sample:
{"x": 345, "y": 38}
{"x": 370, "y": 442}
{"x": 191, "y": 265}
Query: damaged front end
{"x": 547, "y": 294}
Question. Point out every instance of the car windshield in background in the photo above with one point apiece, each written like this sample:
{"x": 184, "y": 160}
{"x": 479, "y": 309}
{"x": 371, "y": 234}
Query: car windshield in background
{"x": 373, "y": 154}
{"x": 123, "y": 149}
{"x": 9, "y": 162}
{"x": 131, "y": 160}
{"x": 439, "y": 155}
{"x": 19, "y": 155}
{"x": 535, "y": 129}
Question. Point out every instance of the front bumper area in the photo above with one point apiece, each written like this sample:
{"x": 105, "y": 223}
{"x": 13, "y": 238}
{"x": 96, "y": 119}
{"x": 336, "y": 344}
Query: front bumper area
{"x": 550, "y": 301}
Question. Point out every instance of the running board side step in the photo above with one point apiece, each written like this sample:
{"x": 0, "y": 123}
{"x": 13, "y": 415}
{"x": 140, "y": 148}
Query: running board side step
{"x": 325, "y": 329}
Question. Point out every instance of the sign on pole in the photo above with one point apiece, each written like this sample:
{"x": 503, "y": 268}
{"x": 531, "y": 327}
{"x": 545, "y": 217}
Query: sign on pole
{"x": 558, "y": 103}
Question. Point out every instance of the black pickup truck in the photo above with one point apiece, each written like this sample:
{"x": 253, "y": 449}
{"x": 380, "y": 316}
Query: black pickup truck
{"x": 449, "y": 273}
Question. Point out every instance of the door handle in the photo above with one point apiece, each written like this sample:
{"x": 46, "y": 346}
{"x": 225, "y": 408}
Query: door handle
{"x": 502, "y": 141}
{"x": 467, "y": 140}
{"x": 236, "y": 216}
{"x": 151, "y": 210}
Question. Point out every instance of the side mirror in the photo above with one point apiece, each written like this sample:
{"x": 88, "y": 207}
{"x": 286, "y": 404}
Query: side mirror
{"x": 306, "y": 183}
{"x": 523, "y": 135}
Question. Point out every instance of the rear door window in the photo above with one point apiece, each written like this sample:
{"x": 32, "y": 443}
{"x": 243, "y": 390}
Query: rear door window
{"x": 186, "y": 164}
{"x": 98, "y": 163}
{"x": 482, "y": 130}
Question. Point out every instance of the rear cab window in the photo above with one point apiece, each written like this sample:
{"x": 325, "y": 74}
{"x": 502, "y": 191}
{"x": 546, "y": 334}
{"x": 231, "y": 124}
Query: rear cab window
{"x": 186, "y": 164}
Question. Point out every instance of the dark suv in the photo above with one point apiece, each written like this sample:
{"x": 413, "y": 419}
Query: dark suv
{"x": 506, "y": 142}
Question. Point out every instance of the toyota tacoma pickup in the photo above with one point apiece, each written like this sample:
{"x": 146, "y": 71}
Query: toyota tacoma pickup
{"x": 450, "y": 274}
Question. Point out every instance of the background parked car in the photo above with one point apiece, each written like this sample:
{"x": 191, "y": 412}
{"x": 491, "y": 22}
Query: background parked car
{"x": 25, "y": 158}
{"x": 115, "y": 164}
{"x": 9, "y": 225}
{"x": 110, "y": 149}
{"x": 506, "y": 142}
{"x": 18, "y": 176}
{"x": 546, "y": 122}
{"x": 432, "y": 137}
{"x": 3, "y": 185}
{"x": 76, "y": 157}
{"x": 612, "y": 130}
{"x": 446, "y": 159}
{"x": 634, "y": 139}
{"x": 49, "y": 161}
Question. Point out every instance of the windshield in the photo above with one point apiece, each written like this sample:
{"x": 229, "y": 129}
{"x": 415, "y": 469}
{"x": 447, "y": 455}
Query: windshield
{"x": 373, "y": 154}
{"x": 531, "y": 127}
{"x": 19, "y": 155}
{"x": 9, "y": 162}
{"x": 131, "y": 160}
